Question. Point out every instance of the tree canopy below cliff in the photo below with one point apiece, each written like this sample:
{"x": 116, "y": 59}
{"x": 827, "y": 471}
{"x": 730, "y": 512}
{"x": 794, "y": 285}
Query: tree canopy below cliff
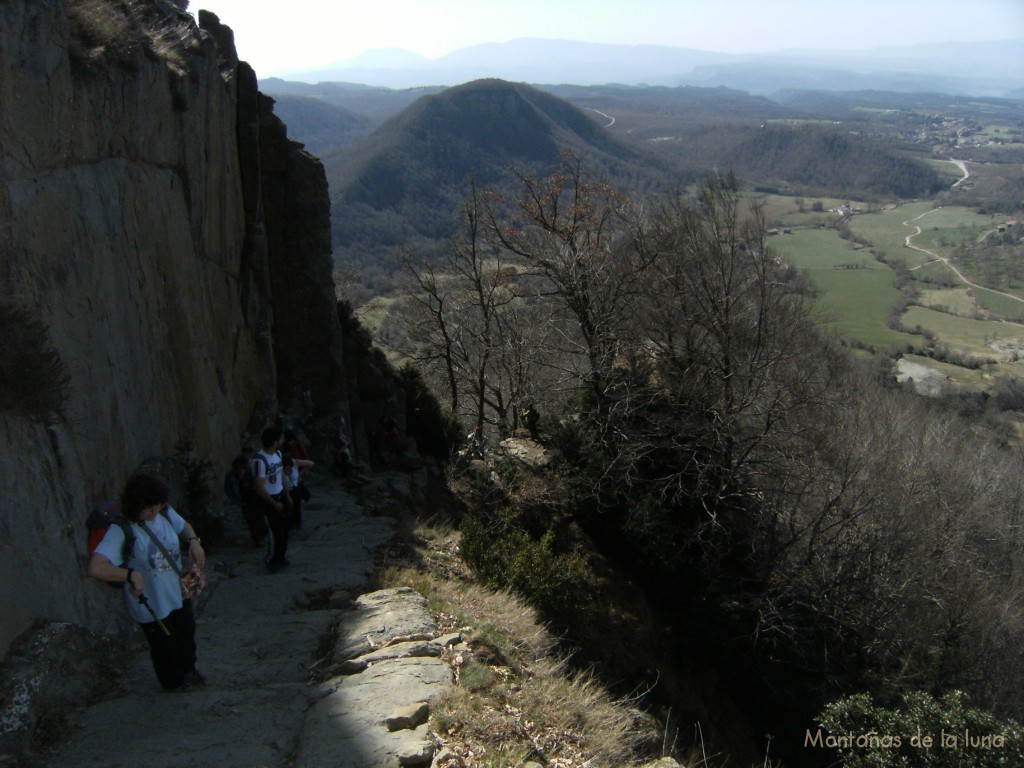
{"x": 833, "y": 533}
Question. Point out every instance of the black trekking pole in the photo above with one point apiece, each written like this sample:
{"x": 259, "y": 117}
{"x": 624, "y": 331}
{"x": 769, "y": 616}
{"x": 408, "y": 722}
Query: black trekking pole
{"x": 144, "y": 602}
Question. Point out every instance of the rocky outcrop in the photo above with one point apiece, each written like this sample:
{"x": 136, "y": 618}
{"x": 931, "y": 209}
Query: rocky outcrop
{"x": 377, "y": 712}
{"x": 296, "y": 207}
{"x": 144, "y": 239}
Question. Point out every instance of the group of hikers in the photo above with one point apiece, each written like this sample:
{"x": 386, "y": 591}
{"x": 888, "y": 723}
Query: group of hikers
{"x": 269, "y": 488}
{"x": 143, "y": 550}
{"x": 476, "y": 441}
{"x": 143, "y": 553}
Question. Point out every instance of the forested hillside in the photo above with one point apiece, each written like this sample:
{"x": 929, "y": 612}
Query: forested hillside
{"x": 321, "y": 124}
{"x": 828, "y": 549}
{"x": 396, "y": 191}
{"x": 399, "y": 189}
{"x": 814, "y": 161}
{"x": 800, "y": 528}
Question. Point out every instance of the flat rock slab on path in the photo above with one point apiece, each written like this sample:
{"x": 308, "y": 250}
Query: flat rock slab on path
{"x": 349, "y": 727}
{"x": 258, "y": 635}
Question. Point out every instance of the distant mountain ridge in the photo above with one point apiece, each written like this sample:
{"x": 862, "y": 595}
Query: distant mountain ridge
{"x": 397, "y": 191}
{"x": 980, "y": 69}
{"x": 404, "y": 180}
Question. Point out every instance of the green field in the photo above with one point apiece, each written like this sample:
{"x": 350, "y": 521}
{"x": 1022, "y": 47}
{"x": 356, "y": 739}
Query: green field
{"x": 855, "y": 303}
{"x": 950, "y": 171}
{"x": 887, "y": 233}
{"x": 955, "y": 301}
{"x": 821, "y": 249}
{"x": 954, "y": 217}
{"x": 965, "y": 333}
{"x": 999, "y": 305}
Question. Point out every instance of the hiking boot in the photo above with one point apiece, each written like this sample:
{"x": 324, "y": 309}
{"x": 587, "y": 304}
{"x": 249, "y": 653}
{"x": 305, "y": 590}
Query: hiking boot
{"x": 193, "y": 677}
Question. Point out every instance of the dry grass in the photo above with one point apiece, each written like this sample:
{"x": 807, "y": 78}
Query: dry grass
{"x": 515, "y": 699}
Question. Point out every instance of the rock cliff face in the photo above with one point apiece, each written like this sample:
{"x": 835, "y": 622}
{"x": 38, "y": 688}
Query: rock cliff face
{"x": 165, "y": 255}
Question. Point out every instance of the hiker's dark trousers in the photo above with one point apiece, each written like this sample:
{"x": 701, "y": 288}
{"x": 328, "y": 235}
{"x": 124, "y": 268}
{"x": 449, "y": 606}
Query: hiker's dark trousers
{"x": 278, "y": 523}
{"x": 174, "y": 654}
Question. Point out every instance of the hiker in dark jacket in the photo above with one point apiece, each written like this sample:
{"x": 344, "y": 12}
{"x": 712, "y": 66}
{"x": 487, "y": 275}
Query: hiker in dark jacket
{"x": 272, "y": 490}
{"x": 152, "y": 591}
{"x": 240, "y": 490}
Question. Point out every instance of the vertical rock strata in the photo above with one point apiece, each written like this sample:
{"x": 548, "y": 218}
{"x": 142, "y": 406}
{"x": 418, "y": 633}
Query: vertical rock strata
{"x": 137, "y": 229}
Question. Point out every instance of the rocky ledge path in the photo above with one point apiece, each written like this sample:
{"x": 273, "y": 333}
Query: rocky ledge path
{"x": 298, "y": 672}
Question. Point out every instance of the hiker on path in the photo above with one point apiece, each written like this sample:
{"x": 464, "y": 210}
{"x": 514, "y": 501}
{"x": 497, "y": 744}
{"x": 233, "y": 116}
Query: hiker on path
{"x": 272, "y": 493}
{"x": 293, "y": 469}
{"x": 531, "y": 417}
{"x": 240, "y": 489}
{"x": 296, "y": 446}
{"x": 341, "y": 447}
{"x": 477, "y": 442}
{"x": 151, "y": 579}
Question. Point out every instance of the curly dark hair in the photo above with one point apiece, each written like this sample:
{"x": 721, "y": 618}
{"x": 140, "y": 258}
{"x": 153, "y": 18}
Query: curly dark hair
{"x": 270, "y": 436}
{"x": 140, "y": 492}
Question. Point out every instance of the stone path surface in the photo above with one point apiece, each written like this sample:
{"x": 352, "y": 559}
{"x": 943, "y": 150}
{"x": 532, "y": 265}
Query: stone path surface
{"x": 258, "y": 636}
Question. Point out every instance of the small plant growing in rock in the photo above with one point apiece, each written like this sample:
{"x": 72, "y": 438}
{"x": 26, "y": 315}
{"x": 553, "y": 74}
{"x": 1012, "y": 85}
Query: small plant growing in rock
{"x": 33, "y": 378}
{"x": 198, "y": 474}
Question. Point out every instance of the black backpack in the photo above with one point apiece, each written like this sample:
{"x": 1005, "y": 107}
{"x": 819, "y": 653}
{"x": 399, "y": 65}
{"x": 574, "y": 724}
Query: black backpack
{"x": 247, "y": 485}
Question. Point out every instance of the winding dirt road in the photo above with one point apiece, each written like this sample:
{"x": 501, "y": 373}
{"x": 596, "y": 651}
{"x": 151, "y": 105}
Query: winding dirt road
{"x": 611, "y": 120}
{"x": 936, "y": 257}
{"x": 963, "y": 169}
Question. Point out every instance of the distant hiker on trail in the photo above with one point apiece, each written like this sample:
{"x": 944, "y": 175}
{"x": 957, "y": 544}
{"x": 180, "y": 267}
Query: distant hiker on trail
{"x": 392, "y": 434}
{"x": 271, "y": 490}
{"x": 531, "y": 418}
{"x": 477, "y": 442}
{"x": 293, "y": 469}
{"x": 294, "y": 445}
{"x": 153, "y": 587}
{"x": 240, "y": 488}
{"x": 342, "y": 453}
{"x": 390, "y": 444}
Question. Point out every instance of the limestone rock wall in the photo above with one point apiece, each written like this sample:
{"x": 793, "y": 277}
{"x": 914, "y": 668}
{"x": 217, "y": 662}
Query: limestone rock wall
{"x": 307, "y": 334}
{"x": 131, "y": 229}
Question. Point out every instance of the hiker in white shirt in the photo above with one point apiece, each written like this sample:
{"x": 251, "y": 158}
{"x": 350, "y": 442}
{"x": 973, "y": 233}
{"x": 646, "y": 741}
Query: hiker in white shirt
{"x": 273, "y": 493}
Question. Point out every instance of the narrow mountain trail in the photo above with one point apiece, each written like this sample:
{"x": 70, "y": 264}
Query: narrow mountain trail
{"x": 263, "y": 641}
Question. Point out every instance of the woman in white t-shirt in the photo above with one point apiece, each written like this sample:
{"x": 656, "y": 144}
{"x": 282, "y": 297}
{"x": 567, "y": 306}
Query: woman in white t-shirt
{"x": 152, "y": 590}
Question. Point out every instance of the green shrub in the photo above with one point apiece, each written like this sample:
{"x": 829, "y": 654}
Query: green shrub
{"x": 476, "y": 677}
{"x": 924, "y": 732}
{"x": 198, "y": 474}
{"x": 508, "y": 557}
{"x": 570, "y": 442}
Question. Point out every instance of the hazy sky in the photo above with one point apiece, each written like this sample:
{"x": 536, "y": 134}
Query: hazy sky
{"x": 276, "y": 36}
